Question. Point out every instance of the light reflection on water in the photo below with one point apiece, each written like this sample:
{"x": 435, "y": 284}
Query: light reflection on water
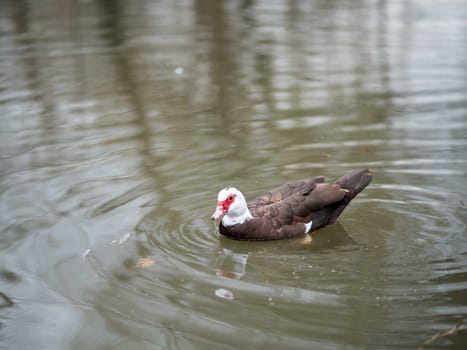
{"x": 128, "y": 117}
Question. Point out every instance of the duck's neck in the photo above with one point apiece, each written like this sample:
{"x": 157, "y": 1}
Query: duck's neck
{"x": 229, "y": 220}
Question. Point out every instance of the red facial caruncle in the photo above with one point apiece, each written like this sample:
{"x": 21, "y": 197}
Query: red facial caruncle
{"x": 226, "y": 202}
{"x": 223, "y": 206}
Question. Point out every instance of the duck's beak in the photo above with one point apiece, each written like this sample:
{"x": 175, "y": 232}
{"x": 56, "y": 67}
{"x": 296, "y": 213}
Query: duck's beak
{"x": 219, "y": 213}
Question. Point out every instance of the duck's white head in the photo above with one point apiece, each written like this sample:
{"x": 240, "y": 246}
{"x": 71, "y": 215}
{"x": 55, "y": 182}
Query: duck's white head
{"x": 231, "y": 207}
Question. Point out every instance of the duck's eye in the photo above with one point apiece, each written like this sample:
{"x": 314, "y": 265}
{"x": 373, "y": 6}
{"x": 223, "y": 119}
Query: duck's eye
{"x": 230, "y": 198}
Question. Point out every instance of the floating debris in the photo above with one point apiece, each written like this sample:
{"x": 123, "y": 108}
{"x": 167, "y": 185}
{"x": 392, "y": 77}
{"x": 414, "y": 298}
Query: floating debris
{"x": 224, "y": 294}
{"x": 85, "y": 254}
{"x": 444, "y": 333}
{"x": 179, "y": 70}
{"x": 7, "y": 300}
{"x": 121, "y": 240}
{"x": 145, "y": 262}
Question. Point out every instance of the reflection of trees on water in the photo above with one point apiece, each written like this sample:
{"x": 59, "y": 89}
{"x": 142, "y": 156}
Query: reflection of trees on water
{"x": 244, "y": 66}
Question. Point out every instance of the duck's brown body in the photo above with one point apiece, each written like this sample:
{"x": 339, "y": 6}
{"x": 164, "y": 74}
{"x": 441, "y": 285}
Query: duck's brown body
{"x": 287, "y": 211}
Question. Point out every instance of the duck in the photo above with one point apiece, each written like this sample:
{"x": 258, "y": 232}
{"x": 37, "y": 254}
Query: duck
{"x": 295, "y": 209}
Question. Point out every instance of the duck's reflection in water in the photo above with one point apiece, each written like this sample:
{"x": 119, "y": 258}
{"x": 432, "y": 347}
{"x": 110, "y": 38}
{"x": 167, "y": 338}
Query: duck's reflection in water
{"x": 231, "y": 265}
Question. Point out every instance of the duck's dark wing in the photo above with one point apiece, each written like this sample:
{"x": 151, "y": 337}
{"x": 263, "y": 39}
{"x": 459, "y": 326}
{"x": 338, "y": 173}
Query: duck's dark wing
{"x": 285, "y": 191}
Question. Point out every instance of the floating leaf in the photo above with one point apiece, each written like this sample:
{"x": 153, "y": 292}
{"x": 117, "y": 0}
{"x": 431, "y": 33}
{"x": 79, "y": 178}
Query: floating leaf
{"x": 145, "y": 262}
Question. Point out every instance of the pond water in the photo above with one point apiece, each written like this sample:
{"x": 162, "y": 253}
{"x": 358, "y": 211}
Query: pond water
{"x": 121, "y": 120}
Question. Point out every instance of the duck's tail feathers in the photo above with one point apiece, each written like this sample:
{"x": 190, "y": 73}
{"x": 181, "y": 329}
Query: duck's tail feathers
{"x": 355, "y": 182}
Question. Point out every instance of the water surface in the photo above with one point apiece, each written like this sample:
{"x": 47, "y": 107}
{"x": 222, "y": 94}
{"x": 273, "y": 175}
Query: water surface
{"x": 122, "y": 120}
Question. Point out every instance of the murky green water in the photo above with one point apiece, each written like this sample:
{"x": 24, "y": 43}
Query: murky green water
{"x": 127, "y": 117}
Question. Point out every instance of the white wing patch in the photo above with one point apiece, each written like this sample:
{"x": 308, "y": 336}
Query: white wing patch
{"x": 308, "y": 226}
